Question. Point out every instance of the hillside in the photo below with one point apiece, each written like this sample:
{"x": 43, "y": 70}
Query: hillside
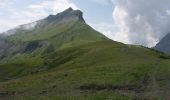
{"x": 65, "y": 29}
{"x": 62, "y": 58}
{"x": 23, "y": 49}
{"x": 93, "y": 71}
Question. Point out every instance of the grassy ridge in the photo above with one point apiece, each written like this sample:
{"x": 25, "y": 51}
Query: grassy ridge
{"x": 73, "y": 31}
{"x": 95, "y": 70}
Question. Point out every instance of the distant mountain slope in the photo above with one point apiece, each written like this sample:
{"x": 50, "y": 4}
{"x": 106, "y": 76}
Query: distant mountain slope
{"x": 164, "y": 45}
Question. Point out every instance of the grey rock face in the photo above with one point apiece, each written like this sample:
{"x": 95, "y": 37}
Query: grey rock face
{"x": 164, "y": 45}
{"x": 68, "y": 14}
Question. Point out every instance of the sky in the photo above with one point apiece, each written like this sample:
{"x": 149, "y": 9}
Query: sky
{"x": 140, "y": 22}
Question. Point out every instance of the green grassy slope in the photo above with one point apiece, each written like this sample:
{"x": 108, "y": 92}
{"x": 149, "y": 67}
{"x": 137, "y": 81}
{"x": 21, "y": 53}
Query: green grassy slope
{"x": 28, "y": 55}
{"x": 94, "y": 71}
{"x": 40, "y": 32}
{"x": 60, "y": 36}
{"x": 78, "y": 34}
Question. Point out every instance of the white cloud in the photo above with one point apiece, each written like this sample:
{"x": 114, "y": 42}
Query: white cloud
{"x": 144, "y": 22}
{"x": 103, "y": 2}
{"x": 111, "y": 31}
{"x": 54, "y": 5}
{"x": 30, "y": 13}
{"x": 6, "y": 3}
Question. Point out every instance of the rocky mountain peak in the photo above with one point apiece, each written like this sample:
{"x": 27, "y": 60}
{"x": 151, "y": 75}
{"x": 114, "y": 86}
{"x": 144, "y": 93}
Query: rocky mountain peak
{"x": 67, "y": 15}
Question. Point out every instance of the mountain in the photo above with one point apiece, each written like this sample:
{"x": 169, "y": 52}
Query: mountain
{"x": 68, "y": 27}
{"x": 164, "y": 45}
{"x": 63, "y": 30}
{"x": 62, "y": 58}
{"x": 25, "y": 48}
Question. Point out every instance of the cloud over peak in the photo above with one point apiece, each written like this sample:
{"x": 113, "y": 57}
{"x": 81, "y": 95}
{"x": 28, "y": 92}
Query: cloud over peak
{"x": 145, "y": 22}
{"x": 29, "y": 13}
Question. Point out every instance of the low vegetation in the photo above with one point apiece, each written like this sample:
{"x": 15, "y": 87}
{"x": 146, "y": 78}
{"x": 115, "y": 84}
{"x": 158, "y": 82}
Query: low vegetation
{"x": 98, "y": 70}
